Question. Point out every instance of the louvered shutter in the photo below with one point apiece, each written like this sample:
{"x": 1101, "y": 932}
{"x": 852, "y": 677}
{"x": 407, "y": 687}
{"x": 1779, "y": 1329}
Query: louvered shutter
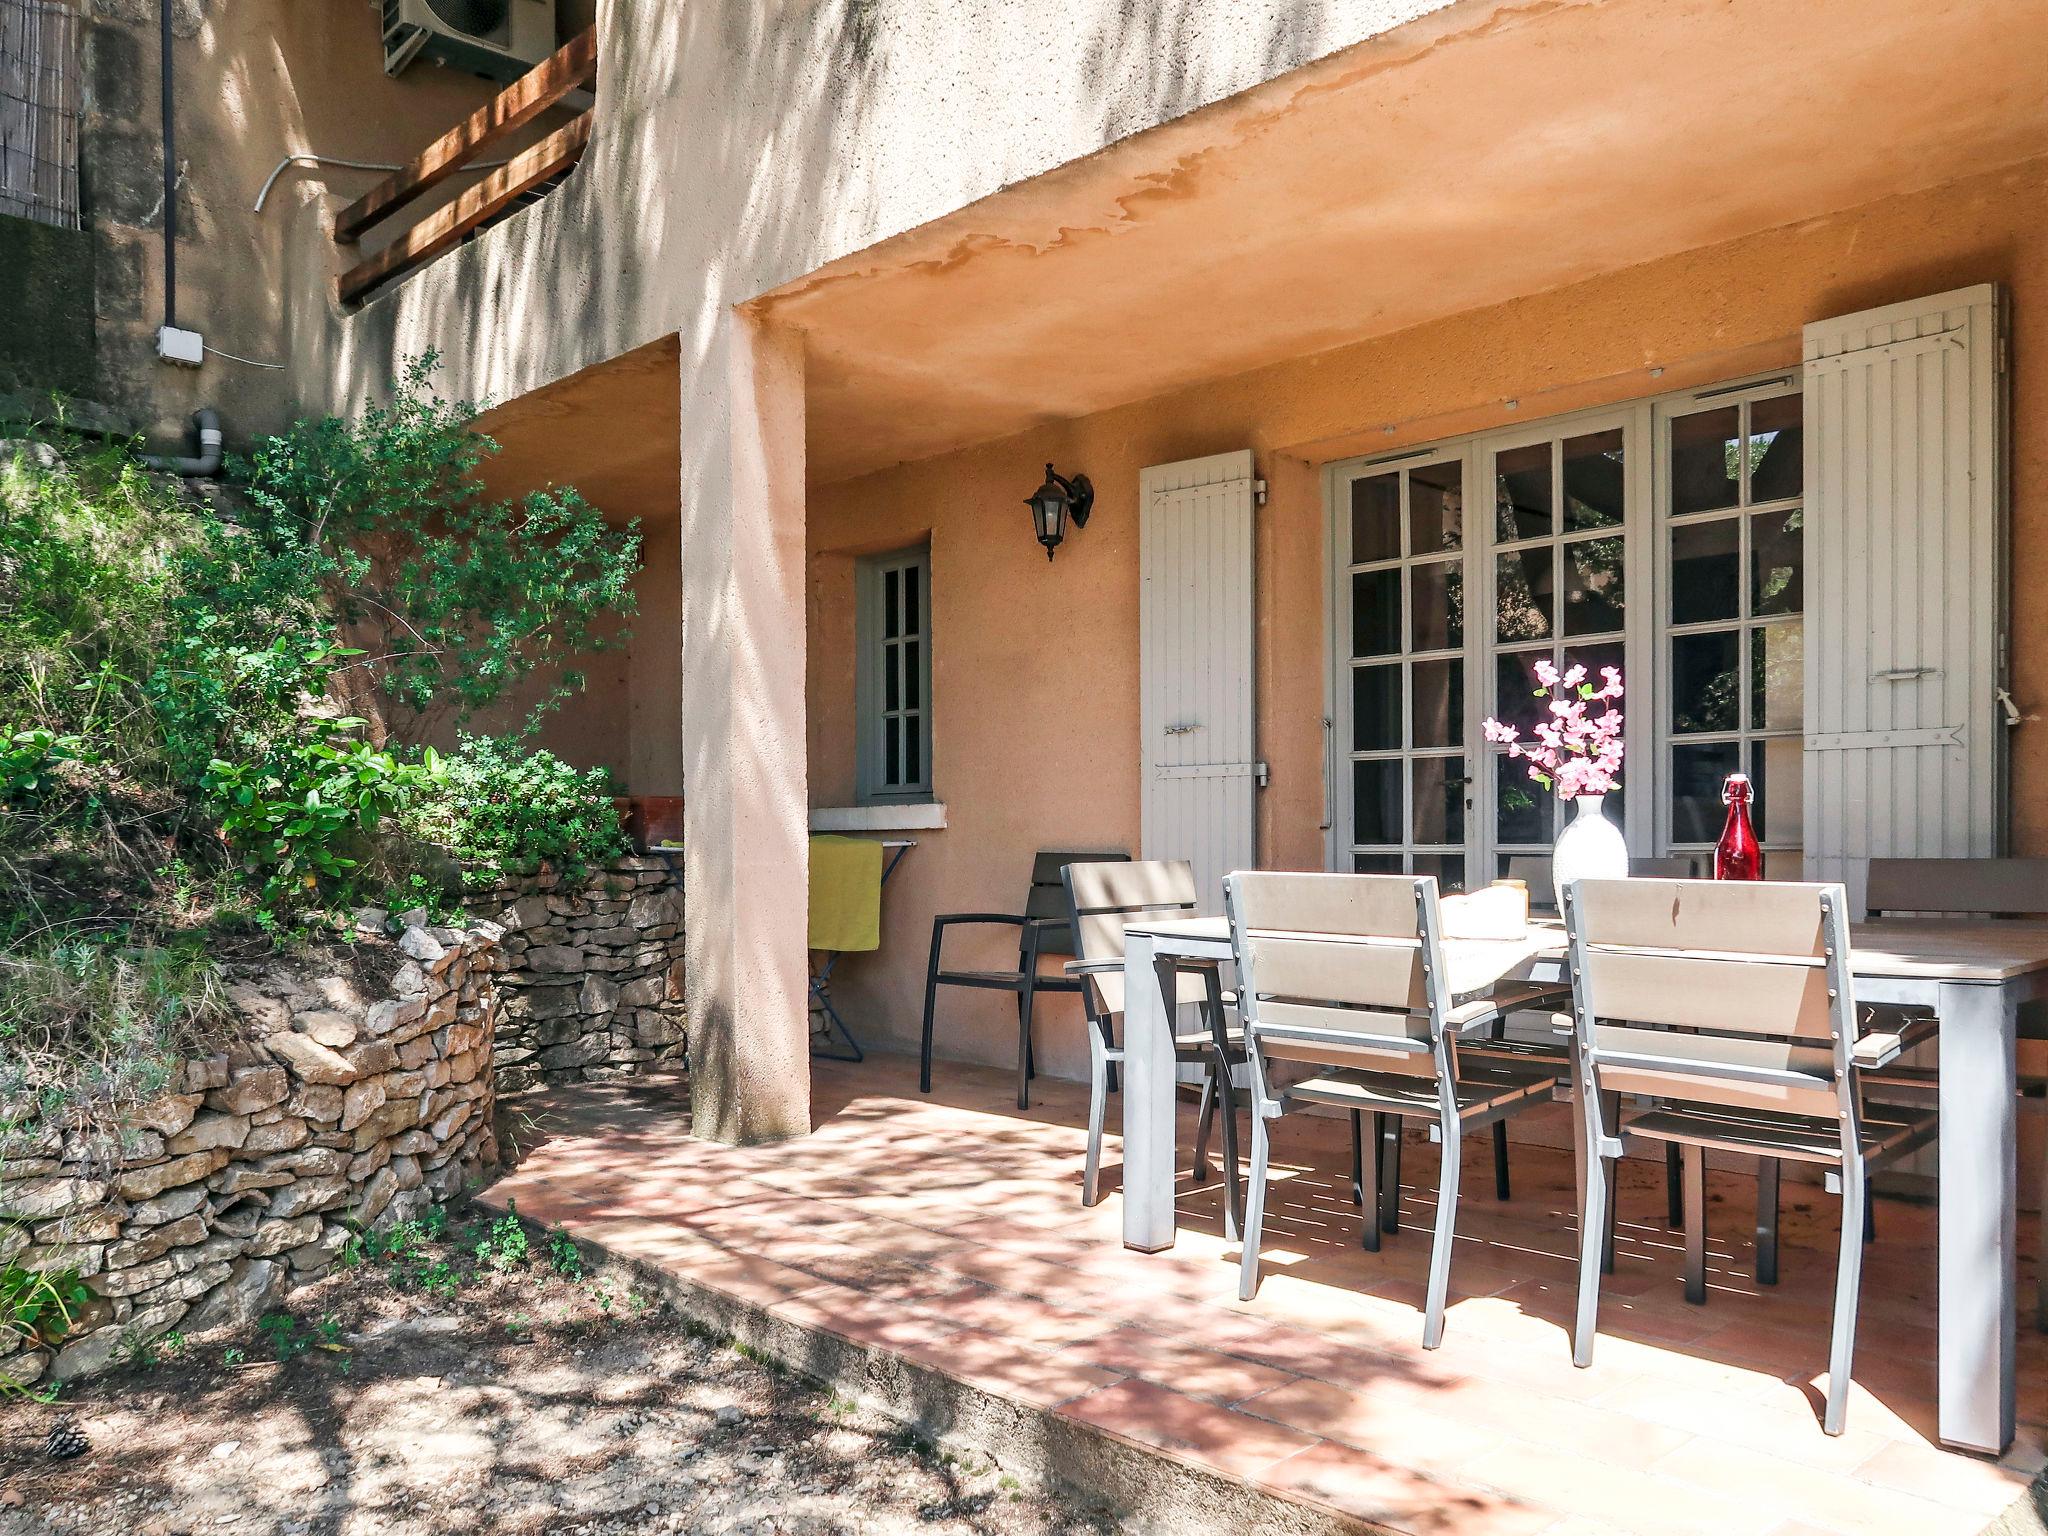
{"x": 1906, "y": 590}
{"x": 1198, "y": 725}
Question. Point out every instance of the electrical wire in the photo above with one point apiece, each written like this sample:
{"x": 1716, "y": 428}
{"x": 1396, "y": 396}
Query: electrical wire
{"x": 288, "y": 161}
{"x": 216, "y": 351}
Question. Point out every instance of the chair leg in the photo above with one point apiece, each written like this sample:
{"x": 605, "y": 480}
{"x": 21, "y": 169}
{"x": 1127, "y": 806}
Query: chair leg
{"x": 1446, "y": 1235}
{"x": 1254, "y": 1211}
{"x": 1693, "y": 1167}
{"x": 1500, "y": 1159}
{"x": 1595, "y": 1202}
{"x": 1610, "y": 1173}
{"x": 1848, "y": 1283}
{"x": 1203, "y": 1119}
{"x": 1358, "y": 1159}
{"x": 1674, "y": 1197}
{"x": 1098, "y": 1102}
{"x": 1767, "y": 1221}
{"x": 1390, "y": 1174}
{"x": 1026, "y": 995}
{"x": 931, "y": 1003}
{"x": 1367, "y": 1185}
{"x": 1233, "y": 1187}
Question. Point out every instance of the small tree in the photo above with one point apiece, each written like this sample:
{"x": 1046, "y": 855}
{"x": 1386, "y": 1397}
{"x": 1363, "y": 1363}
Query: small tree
{"x": 451, "y": 597}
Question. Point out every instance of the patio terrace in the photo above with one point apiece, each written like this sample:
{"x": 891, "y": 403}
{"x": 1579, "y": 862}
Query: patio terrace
{"x": 940, "y": 1243}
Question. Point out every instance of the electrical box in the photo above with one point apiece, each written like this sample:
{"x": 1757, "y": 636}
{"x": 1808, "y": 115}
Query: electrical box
{"x": 185, "y": 348}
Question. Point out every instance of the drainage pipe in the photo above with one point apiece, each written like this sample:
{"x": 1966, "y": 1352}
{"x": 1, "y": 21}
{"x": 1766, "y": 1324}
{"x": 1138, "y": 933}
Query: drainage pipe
{"x": 170, "y": 172}
{"x": 206, "y": 425}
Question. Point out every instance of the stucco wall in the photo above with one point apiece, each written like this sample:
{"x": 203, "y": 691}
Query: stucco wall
{"x": 254, "y": 81}
{"x": 1035, "y": 667}
{"x": 739, "y": 145}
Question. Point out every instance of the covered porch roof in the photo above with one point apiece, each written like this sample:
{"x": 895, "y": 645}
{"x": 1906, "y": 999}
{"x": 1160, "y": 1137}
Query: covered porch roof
{"x": 1487, "y": 152}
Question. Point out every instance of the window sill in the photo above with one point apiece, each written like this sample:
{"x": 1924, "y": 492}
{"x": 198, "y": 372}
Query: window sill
{"x": 907, "y": 816}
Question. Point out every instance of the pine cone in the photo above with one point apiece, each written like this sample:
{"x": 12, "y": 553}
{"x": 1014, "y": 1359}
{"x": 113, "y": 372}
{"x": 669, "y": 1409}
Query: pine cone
{"x": 66, "y": 1441}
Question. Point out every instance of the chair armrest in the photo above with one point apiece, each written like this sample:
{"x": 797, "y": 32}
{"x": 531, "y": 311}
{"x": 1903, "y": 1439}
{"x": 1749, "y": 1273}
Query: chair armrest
{"x": 1009, "y": 919}
{"x": 1878, "y": 1050}
{"x": 1091, "y": 967}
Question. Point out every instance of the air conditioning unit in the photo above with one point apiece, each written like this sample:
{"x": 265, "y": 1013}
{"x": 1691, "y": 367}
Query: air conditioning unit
{"x": 498, "y": 39}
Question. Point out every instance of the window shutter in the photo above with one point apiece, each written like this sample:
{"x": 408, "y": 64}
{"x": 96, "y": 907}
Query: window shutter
{"x": 1906, "y": 590}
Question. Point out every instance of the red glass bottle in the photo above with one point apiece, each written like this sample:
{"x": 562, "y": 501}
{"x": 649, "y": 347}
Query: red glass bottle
{"x": 1737, "y": 856}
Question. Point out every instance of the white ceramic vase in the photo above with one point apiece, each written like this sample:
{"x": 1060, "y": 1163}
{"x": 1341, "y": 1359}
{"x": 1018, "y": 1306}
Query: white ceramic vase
{"x": 1589, "y": 848}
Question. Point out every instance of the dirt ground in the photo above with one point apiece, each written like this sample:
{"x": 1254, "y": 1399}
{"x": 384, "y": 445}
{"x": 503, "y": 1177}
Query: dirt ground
{"x": 433, "y": 1390}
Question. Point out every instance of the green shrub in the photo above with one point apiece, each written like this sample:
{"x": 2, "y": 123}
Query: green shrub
{"x": 504, "y": 809}
{"x": 456, "y": 596}
{"x": 300, "y": 818}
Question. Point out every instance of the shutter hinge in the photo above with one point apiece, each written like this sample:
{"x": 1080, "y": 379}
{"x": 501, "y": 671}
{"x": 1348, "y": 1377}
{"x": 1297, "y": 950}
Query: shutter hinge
{"x": 1258, "y": 493}
{"x": 1262, "y": 774}
{"x": 1998, "y": 364}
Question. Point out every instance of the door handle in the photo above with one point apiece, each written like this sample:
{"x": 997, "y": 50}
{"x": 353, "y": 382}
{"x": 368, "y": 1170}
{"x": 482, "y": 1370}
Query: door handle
{"x": 1182, "y": 730}
{"x": 1904, "y": 674}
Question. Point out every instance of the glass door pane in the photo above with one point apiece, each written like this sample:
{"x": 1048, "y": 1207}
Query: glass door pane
{"x": 1404, "y": 558}
{"x": 1557, "y": 563}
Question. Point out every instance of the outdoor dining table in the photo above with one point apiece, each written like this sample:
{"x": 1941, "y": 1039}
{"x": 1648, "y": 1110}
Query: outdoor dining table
{"x": 1973, "y": 975}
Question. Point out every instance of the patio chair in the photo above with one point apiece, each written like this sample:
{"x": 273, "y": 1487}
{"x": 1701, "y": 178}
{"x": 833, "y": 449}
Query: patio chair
{"x": 1729, "y": 1007}
{"x": 1102, "y": 899}
{"x": 1043, "y": 930}
{"x": 1346, "y": 1001}
{"x": 2003, "y": 889}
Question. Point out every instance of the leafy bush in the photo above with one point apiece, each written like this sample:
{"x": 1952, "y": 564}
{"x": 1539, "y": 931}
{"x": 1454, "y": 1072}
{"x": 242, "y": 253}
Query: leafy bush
{"x": 504, "y": 809}
{"x": 299, "y": 818}
{"x": 456, "y": 596}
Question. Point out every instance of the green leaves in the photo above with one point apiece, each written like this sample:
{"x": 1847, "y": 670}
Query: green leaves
{"x": 298, "y": 817}
{"x": 459, "y": 596}
{"x": 503, "y": 809}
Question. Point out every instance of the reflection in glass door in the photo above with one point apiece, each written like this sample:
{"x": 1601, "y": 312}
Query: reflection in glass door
{"x": 1557, "y": 562}
{"x": 1403, "y": 535}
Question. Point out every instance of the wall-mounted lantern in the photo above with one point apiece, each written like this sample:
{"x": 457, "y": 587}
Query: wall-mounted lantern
{"x": 1054, "y": 502}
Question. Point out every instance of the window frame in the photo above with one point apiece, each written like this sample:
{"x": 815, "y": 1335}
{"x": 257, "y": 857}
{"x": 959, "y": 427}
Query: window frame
{"x": 1646, "y": 629}
{"x": 1747, "y": 735}
{"x": 872, "y": 649}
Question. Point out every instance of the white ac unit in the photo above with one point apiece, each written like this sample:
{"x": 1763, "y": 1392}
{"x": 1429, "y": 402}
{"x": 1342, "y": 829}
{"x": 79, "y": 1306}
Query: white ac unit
{"x": 498, "y": 39}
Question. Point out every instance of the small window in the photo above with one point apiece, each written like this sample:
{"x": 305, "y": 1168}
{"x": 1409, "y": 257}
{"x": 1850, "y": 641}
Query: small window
{"x": 892, "y": 680}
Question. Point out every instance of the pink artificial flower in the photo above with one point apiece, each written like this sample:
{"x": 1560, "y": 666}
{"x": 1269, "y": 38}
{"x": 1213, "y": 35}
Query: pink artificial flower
{"x": 1574, "y": 751}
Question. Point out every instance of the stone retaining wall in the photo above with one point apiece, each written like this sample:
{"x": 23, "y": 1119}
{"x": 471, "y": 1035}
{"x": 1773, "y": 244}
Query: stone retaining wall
{"x": 362, "y": 1094}
{"x": 590, "y": 973}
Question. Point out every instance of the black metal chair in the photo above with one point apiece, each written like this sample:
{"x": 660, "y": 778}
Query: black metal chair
{"x": 1044, "y": 930}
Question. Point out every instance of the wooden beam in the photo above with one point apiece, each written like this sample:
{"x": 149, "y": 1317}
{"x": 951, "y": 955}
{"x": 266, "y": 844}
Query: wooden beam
{"x": 569, "y": 68}
{"x": 445, "y": 227}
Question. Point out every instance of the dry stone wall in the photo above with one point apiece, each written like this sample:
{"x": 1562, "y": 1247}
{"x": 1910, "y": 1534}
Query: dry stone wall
{"x": 590, "y": 972}
{"x": 361, "y": 1094}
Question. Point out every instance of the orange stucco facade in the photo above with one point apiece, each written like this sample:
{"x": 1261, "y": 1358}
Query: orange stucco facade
{"x": 1035, "y": 667}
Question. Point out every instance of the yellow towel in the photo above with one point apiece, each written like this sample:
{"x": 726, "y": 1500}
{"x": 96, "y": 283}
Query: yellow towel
{"x": 846, "y": 893}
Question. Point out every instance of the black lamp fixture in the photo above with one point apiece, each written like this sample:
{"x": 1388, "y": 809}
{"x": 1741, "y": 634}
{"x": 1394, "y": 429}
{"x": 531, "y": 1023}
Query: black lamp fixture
{"x": 1054, "y": 502}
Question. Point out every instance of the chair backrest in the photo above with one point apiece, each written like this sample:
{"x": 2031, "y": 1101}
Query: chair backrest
{"x": 1954, "y": 887}
{"x": 1048, "y": 895}
{"x": 1721, "y": 992}
{"x": 1343, "y": 969}
{"x": 1104, "y": 898}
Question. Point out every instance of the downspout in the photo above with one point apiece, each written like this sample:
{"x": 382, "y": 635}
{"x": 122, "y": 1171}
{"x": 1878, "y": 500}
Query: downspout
{"x": 170, "y": 171}
{"x": 206, "y": 423}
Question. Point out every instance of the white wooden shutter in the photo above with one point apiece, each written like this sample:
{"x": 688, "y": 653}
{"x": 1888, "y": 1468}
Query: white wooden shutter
{"x": 1905, "y": 585}
{"x": 1196, "y": 711}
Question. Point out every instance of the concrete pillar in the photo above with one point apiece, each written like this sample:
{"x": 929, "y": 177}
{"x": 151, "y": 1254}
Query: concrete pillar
{"x": 745, "y": 795}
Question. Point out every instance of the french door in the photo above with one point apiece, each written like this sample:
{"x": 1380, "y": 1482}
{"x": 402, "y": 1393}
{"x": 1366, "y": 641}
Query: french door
{"x": 1458, "y": 569}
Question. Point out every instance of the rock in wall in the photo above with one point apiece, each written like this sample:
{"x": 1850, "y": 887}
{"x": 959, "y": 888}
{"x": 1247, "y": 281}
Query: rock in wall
{"x": 361, "y": 1093}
